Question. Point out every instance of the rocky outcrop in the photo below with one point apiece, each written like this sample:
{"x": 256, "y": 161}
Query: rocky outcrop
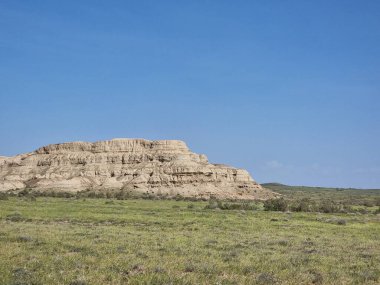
{"x": 164, "y": 167}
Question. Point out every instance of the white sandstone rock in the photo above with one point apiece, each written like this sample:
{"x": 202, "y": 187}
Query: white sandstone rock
{"x": 164, "y": 167}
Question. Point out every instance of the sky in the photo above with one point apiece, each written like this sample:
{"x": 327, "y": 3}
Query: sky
{"x": 289, "y": 90}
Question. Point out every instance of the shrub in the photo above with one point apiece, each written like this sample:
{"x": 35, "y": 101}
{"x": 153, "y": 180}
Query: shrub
{"x": 212, "y": 204}
{"x": 158, "y": 269}
{"x": 24, "y": 239}
{"x": 238, "y": 206}
{"x": 303, "y": 205}
{"x": 21, "y": 276}
{"x": 3, "y": 196}
{"x": 189, "y": 267}
{"x": 279, "y": 204}
{"x": 122, "y": 195}
{"x": 230, "y": 255}
{"x": 266, "y": 278}
{"x": 23, "y": 192}
{"x": 63, "y": 194}
{"x": 368, "y": 203}
{"x": 348, "y": 209}
{"x": 91, "y": 194}
{"x": 100, "y": 195}
{"x": 328, "y": 207}
{"x": 337, "y": 221}
{"x": 14, "y": 217}
{"x": 192, "y": 199}
{"x": 341, "y": 222}
{"x": 317, "y": 277}
{"x": 363, "y": 211}
{"x": 179, "y": 197}
{"x": 215, "y": 204}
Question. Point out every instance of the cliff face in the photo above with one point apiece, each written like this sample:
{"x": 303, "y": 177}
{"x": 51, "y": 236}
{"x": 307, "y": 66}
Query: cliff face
{"x": 165, "y": 167}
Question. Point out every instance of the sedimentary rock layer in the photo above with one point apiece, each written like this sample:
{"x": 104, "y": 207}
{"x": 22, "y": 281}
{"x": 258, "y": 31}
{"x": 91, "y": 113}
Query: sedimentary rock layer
{"x": 165, "y": 167}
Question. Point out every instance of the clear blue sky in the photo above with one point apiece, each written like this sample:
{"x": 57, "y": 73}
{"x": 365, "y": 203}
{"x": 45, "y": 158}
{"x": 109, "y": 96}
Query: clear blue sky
{"x": 289, "y": 90}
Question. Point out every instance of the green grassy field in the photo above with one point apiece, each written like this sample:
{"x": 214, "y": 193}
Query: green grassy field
{"x": 100, "y": 241}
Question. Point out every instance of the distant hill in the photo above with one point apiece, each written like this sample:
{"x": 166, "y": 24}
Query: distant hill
{"x": 352, "y": 196}
{"x": 278, "y": 186}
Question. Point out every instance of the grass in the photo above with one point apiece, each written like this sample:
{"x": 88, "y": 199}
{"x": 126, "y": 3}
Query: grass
{"x": 100, "y": 241}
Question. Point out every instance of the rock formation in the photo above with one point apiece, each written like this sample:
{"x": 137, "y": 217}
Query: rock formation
{"x": 164, "y": 167}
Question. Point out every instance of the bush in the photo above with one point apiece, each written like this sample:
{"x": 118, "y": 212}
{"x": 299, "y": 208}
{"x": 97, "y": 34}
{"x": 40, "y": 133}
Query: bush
{"x": 341, "y": 222}
{"x": 279, "y": 204}
{"x": 3, "y": 196}
{"x": 266, "y": 278}
{"x": 100, "y": 195}
{"x": 337, "y": 221}
{"x": 63, "y": 194}
{"x": 328, "y": 207}
{"x": 24, "y": 239}
{"x": 91, "y": 194}
{"x": 15, "y": 217}
{"x": 215, "y": 204}
{"x": 122, "y": 195}
{"x": 239, "y": 206}
{"x": 303, "y": 205}
{"x": 363, "y": 211}
{"x": 23, "y": 193}
{"x": 190, "y": 267}
{"x": 212, "y": 204}
{"x": 368, "y": 203}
